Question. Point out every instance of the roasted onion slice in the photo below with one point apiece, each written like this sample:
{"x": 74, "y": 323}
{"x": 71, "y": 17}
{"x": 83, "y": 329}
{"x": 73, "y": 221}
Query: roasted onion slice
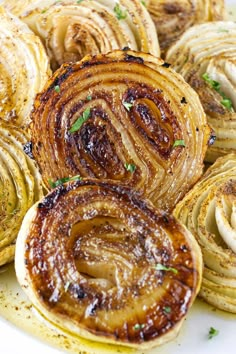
{"x": 205, "y": 56}
{"x": 70, "y": 30}
{"x": 121, "y": 116}
{"x": 24, "y": 69}
{"x": 209, "y": 212}
{"x": 173, "y": 17}
{"x": 20, "y": 188}
{"x": 103, "y": 264}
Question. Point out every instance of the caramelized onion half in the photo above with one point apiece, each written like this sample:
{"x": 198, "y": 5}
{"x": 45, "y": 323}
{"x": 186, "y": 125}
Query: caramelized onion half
{"x": 24, "y": 69}
{"x": 20, "y": 188}
{"x": 206, "y": 57}
{"x": 173, "y": 17}
{"x": 209, "y": 212}
{"x": 71, "y": 30}
{"x": 100, "y": 262}
{"x": 139, "y": 123}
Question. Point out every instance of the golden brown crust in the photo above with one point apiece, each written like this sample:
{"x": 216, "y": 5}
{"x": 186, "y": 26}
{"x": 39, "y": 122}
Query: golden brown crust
{"x": 20, "y": 187}
{"x": 88, "y": 256}
{"x": 136, "y": 109}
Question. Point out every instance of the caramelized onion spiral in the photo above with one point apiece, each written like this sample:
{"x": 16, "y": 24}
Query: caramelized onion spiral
{"x": 71, "y": 30}
{"x": 209, "y": 212}
{"x": 100, "y": 262}
{"x": 173, "y": 17}
{"x": 205, "y": 57}
{"x": 140, "y": 123}
{"x": 24, "y": 69}
{"x": 20, "y": 188}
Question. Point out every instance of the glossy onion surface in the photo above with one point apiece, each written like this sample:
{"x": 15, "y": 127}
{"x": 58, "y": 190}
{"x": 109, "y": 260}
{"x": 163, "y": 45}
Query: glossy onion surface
{"x": 20, "y": 187}
{"x": 71, "y": 29}
{"x": 209, "y": 212}
{"x": 24, "y": 69}
{"x": 173, "y": 17}
{"x": 206, "y": 57}
{"x": 97, "y": 260}
{"x": 140, "y": 123}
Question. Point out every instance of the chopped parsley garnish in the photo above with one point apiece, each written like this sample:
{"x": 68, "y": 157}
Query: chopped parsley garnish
{"x": 222, "y": 30}
{"x": 88, "y": 98}
{"x": 43, "y": 11}
{"x": 130, "y": 167}
{"x": 143, "y": 3}
{"x": 167, "y": 309}
{"x": 167, "y": 269}
{"x": 79, "y": 1}
{"x": 80, "y": 121}
{"x": 214, "y": 84}
{"x": 127, "y": 105}
{"x": 179, "y": 143}
{"x": 212, "y": 333}
{"x": 57, "y": 88}
{"x": 120, "y": 15}
{"x": 59, "y": 182}
{"x": 138, "y": 326}
{"x": 67, "y": 286}
{"x": 226, "y": 102}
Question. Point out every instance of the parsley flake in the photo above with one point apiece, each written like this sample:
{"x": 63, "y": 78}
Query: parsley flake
{"x": 167, "y": 269}
{"x": 88, "y": 98}
{"x": 67, "y": 285}
{"x": 138, "y": 326}
{"x": 130, "y": 167}
{"x": 59, "y": 182}
{"x": 57, "y": 88}
{"x": 179, "y": 143}
{"x": 212, "y": 333}
{"x": 80, "y": 121}
{"x": 143, "y": 3}
{"x": 120, "y": 15}
{"x": 226, "y": 102}
{"x": 127, "y": 105}
{"x": 167, "y": 309}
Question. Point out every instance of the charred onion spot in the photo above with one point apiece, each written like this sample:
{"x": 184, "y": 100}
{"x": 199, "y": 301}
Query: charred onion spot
{"x": 27, "y": 148}
{"x": 166, "y": 65}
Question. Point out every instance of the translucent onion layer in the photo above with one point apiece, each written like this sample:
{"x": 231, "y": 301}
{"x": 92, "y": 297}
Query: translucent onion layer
{"x": 101, "y": 263}
{"x": 139, "y": 123}
{"x": 206, "y": 57}
{"x": 173, "y": 18}
{"x": 209, "y": 212}
{"x": 70, "y": 30}
{"x": 24, "y": 69}
{"x": 20, "y": 187}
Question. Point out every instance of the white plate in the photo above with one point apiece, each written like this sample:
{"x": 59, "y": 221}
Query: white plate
{"x": 34, "y": 337}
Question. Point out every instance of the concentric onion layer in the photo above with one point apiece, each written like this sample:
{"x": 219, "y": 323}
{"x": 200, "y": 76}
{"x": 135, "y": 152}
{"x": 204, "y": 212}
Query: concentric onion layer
{"x": 141, "y": 124}
{"x": 173, "y": 18}
{"x": 20, "y": 188}
{"x": 205, "y": 57}
{"x": 24, "y": 69}
{"x": 70, "y": 30}
{"x": 209, "y": 212}
{"x": 100, "y": 262}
